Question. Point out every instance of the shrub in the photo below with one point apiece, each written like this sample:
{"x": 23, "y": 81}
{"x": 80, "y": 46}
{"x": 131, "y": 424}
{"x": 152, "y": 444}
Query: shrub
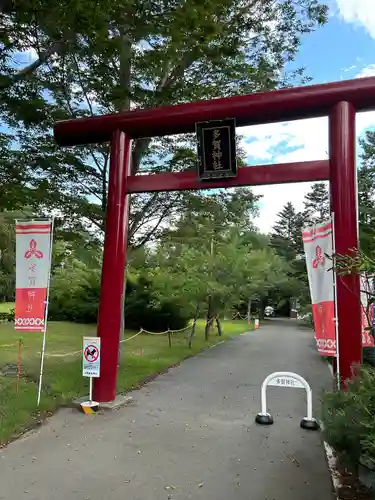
{"x": 75, "y": 295}
{"x": 143, "y": 310}
{"x": 369, "y": 355}
{"x": 4, "y": 317}
{"x": 11, "y": 314}
{"x": 349, "y": 417}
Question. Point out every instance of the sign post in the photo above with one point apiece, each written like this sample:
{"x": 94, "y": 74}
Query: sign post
{"x": 292, "y": 380}
{"x": 91, "y": 369}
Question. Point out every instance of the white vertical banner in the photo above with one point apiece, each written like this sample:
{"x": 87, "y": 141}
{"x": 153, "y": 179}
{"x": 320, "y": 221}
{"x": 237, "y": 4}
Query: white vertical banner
{"x": 33, "y": 262}
{"x": 33, "y": 272}
{"x": 318, "y": 247}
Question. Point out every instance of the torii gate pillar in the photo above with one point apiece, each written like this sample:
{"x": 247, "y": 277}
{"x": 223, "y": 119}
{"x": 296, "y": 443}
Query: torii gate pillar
{"x": 344, "y": 205}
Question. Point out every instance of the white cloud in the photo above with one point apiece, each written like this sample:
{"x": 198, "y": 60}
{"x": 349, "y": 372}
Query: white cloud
{"x": 350, "y": 68}
{"x": 358, "y": 12}
{"x": 306, "y": 140}
{"x": 309, "y": 138}
{"x": 309, "y": 141}
{"x": 367, "y": 71}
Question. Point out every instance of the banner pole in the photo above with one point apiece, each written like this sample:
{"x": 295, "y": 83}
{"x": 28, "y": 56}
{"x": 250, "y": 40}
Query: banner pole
{"x": 335, "y": 299}
{"x": 45, "y": 316}
{"x": 19, "y": 365}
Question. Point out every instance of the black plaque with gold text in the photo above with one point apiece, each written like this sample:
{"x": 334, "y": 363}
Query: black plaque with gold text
{"x": 217, "y": 149}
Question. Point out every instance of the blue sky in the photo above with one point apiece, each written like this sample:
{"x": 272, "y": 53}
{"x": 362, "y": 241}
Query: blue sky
{"x": 341, "y": 50}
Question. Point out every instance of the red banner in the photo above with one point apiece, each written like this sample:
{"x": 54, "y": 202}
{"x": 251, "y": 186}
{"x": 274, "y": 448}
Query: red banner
{"x": 318, "y": 247}
{"x": 33, "y": 261}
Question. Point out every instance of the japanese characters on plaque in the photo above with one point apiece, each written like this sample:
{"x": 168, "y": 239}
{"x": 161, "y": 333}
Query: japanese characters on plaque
{"x": 286, "y": 381}
{"x": 217, "y": 149}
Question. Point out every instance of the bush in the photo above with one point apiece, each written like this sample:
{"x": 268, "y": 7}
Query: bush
{"x": 143, "y": 310}
{"x": 75, "y": 293}
{"x": 349, "y": 417}
{"x": 369, "y": 355}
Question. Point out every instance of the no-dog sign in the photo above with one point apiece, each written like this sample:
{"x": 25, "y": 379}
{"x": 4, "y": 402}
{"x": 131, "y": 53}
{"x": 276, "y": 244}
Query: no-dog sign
{"x": 91, "y": 357}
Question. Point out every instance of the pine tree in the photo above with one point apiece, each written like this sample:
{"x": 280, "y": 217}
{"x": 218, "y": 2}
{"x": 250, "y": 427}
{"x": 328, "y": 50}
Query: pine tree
{"x": 284, "y": 233}
{"x": 284, "y": 227}
{"x": 287, "y": 242}
{"x": 300, "y": 222}
{"x": 317, "y": 204}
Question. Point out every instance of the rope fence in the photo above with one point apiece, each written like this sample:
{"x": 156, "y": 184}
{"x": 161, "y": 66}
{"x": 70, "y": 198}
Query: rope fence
{"x": 8, "y": 345}
{"x": 168, "y": 332}
{"x": 11, "y": 366}
{"x": 238, "y": 315}
{"x": 27, "y": 368}
{"x": 79, "y": 351}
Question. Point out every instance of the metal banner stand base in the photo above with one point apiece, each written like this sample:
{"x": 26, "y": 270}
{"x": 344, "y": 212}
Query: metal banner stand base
{"x": 89, "y": 407}
{"x": 309, "y": 424}
{"x": 264, "y": 419}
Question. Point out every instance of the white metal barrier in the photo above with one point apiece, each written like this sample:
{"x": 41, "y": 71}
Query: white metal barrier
{"x": 291, "y": 380}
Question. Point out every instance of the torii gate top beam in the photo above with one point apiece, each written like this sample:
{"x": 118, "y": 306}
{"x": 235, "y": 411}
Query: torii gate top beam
{"x": 265, "y": 107}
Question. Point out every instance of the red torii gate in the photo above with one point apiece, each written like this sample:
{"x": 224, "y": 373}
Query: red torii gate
{"x": 339, "y": 101}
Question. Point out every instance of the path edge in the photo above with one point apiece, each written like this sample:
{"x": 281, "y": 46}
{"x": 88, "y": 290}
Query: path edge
{"x": 331, "y": 456}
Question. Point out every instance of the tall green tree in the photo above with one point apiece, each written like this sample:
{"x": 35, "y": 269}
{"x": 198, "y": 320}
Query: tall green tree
{"x": 99, "y": 57}
{"x": 286, "y": 238}
{"x": 285, "y": 223}
{"x": 286, "y": 233}
{"x": 227, "y": 272}
{"x": 212, "y": 215}
{"x": 317, "y": 204}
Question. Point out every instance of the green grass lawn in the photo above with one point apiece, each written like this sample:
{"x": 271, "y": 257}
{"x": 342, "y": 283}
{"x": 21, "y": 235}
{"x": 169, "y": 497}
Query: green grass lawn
{"x": 141, "y": 357}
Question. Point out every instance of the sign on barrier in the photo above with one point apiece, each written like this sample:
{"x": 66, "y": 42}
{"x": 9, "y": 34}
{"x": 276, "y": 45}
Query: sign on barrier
{"x": 286, "y": 381}
{"x": 291, "y": 380}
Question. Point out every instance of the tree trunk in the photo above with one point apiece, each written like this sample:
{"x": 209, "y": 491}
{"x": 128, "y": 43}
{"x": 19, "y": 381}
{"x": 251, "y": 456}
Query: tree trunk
{"x": 192, "y": 332}
{"x": 249, "y": 311}
{"x": 218, "y": 325}
{"x": 208, "y": 319}
{"x": 261, "y": 308}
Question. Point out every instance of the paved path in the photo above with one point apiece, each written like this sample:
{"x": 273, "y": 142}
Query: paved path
{"x": 190, "y": 435}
